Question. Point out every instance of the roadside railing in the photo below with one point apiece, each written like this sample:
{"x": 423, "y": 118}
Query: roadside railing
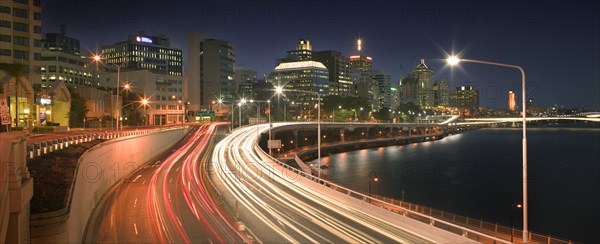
{"x": 477, "y": 230}
{"x": 439, "y": 223}
{"x": 40, "y": 148}
{"x": 495, "y": 229}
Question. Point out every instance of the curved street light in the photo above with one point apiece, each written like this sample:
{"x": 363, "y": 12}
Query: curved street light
{"x": 454, "y": 60}
{"x": 280, "y": 90}
{"x": 98, "y": 59}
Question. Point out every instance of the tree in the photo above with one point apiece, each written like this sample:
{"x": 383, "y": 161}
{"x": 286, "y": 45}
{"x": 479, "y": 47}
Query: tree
{"x": 18, "y": 71}
{"x": 78, "y": 109}
{"x": 409, "y": 106}
{"x": 331, "y": 102}
{"x": 383, "y": 114}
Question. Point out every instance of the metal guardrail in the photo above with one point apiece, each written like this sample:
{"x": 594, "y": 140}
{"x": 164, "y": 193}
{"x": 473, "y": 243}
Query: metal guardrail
{"x": 44, "y": 147}
{"x": 439, "y": 223}
{"x": 474, "y": 229}
{"x": 499, "y": 230}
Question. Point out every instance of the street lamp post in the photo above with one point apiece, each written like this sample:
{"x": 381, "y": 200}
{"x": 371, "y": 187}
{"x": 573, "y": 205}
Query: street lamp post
{"x": 512, "y": 213}
{"x": 242, "y": 101}
{"x": 220, "y": 101}
{"x": 371, "y": 179}
{"x": 270, "y": 126}
{"x": 97, "y": 60}
{"x": 453, "y": 60}
{"x": 145, "y": 105}
{"x": 280, "y": 90}
{"x": 258, "y": 113}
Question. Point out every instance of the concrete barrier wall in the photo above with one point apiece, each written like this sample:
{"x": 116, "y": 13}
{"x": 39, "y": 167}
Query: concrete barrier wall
{"x": 97, "y": 171}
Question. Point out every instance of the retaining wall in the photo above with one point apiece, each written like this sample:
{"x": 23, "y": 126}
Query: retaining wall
{"x": 97, "y": 171}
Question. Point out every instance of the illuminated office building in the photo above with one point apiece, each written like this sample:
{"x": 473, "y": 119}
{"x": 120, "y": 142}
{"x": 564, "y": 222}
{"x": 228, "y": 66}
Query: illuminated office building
{"x": 145, "y": 52}
{"x": 465, "y": 97}
{"x": 340, "y": 82}
{"x": 210, "y": 71}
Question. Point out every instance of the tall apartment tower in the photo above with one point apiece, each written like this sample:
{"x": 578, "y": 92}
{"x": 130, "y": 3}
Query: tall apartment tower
{"x": 340, "y": 83}
{"x": 424, "y": 76}
{"x": 465, "y": 97}
{"x": 384, "y": 87}
{"x": 20, "y": 45}
{"x": 21, "y": 35}
{"x": 360, "y": 61}
{"x": 245, "y": 78}
{"x": 441, "y": 93}
{"x": 512, "y": 101}
{"x": 211, "y": 72}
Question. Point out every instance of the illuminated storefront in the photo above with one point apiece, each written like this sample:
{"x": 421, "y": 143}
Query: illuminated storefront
{"x": 18, "y": 94}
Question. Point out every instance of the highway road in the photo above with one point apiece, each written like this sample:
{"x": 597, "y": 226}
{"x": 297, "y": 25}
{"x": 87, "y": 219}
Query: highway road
{"x": 277, "y": 209}
{"x": 166, "y": 201}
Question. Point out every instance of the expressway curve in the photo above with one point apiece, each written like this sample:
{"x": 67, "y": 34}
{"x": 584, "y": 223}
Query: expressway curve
{"x": 278, "y": 209}
{"x": 165, "y": 201}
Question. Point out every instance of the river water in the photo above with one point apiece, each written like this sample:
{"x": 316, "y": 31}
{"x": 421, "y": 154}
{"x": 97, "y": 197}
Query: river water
{"x": 478, "y": 174}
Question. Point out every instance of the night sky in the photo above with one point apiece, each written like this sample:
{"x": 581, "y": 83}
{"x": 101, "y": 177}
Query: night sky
{"x": 557, "y": 42}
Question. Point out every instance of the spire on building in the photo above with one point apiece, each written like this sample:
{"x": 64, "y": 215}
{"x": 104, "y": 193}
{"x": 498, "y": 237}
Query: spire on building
{"x": 422, "y": 65}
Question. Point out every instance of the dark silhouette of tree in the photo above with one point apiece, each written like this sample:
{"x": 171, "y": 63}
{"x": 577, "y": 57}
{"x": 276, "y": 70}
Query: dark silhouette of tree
{"x": 78, "y": 110}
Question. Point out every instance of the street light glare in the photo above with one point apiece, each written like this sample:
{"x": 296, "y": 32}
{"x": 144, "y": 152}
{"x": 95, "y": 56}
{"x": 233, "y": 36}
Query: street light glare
{"x": 145, "y": 101}
{"x": 278, "y": 89}
{"x": 96, "y": 57}
{"x": 452, "y": 60}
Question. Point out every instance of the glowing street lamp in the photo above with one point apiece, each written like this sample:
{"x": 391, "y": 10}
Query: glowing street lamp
{"x": 372, "y": 179}
{"x": 280, "y": 90}
{"x": 454, "y": 60}
{"x": 333, "y": 116}
{"x": 97, "y": 59}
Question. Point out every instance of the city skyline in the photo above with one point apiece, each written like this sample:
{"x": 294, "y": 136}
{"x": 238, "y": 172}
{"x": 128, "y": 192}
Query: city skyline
{"x": 400, "y": 35}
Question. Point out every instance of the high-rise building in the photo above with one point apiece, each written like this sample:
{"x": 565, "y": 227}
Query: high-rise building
{"x": 340, "y": 83}
{"x": 384, "y": 88}
{"x": 302, "y": 75}
{"x": 62, "y": 43}
{"x": 366, "y": 87}
{"x": 20, "y": 44}
{"x": 21, "y": 36}
{"x": 424, "y": 76}
{"x": 303, "y": 52}
{"x": 409, "y": 89}
{"x": 145, "y": 52}
{"x": 153, "y": 69}
{"x": 465, "y": 97}
{"x": 359, "y": 61}
{"x": 62, "y": 62}
{"x": 244, "y": 79}
{"x": 395, "y": 96}
{"x": 440, "y": 93}
{"x": 164, "y": 93}
{"x": 364, "y": 84}
{"x": 211, "y": 73}
{"x": 512, "y": 101}
{"x": 63, "y": 65}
